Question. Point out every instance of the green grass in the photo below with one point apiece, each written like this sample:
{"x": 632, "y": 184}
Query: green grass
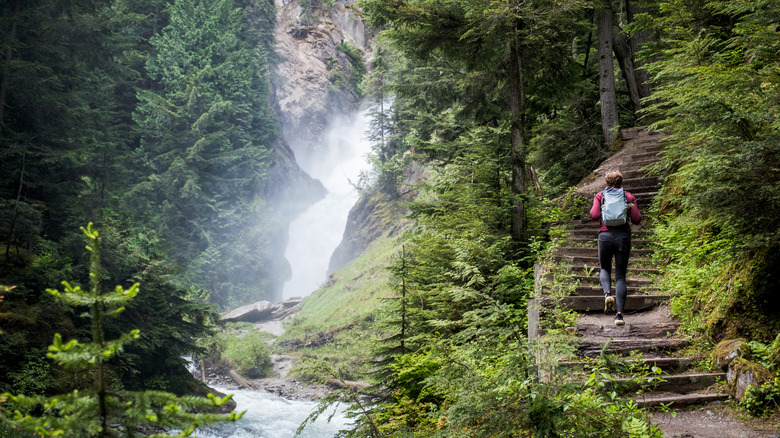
{"x": 345, "y": 307}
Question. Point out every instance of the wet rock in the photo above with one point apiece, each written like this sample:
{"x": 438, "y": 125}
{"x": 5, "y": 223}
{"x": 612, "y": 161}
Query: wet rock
{"x": 255, "y": 312}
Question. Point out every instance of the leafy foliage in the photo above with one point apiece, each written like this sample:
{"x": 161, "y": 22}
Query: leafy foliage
{"x": 716, "y": 64}
{"x": 247, "y": 353}
{"x": 205, "y": 140}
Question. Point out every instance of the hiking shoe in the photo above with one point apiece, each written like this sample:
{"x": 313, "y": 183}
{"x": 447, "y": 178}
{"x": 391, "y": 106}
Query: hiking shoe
{"x": 609, "y": 303}
{"x": 619, "y": 319}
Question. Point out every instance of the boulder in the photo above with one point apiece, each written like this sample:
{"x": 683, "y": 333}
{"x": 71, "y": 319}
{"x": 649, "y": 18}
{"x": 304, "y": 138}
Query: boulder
{"x": 743, "y": 373}
{"x": 255, "y": 312}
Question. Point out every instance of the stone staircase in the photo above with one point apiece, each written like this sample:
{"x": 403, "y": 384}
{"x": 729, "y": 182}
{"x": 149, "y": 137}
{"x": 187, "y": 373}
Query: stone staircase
{"x": 648, "y": 328}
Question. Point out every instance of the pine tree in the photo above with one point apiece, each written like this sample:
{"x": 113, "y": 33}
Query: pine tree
{"x": 103, "y": 411}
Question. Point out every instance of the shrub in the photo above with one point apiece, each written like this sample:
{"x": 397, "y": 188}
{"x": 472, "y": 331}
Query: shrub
{"x": 247, "y": 353}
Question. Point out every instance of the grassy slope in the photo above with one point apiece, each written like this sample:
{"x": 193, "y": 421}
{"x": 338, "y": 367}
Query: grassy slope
{"x": 344, "y": 308}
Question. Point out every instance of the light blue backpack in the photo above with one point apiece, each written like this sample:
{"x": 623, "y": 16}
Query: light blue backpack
{"x": 614, "y": 207}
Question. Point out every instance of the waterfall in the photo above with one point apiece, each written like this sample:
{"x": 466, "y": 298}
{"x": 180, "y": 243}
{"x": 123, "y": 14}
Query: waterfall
{"x": 318, "y": 231}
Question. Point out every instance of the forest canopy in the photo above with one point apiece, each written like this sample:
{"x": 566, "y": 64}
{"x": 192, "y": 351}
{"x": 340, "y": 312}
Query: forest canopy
{"x": 152, "y": 120}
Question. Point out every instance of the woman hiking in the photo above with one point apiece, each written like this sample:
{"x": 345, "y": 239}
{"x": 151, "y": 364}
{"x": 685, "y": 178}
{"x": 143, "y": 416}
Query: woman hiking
{"x": 614, "y": 239}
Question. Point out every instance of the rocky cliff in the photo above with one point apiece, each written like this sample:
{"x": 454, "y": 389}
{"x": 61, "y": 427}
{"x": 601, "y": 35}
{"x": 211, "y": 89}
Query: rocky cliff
{"x": 310, "y": 87}
{"x": 307, "y": 85}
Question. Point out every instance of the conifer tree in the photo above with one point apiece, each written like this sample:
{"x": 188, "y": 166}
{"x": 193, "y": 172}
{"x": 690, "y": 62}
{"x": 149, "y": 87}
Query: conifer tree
{"x": 103, "y": 411}
{"x": 496, "y": 40}
{"x": 207, "y": 131}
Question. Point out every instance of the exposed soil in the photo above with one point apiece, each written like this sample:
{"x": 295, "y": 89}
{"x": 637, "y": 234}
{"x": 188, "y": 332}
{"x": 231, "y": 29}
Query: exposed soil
{"x": 714, "y": 421}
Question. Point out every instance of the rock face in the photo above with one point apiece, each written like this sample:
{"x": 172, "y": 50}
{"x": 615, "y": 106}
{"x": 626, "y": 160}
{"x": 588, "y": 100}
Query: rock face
{"x": 304, "y": 104}
{"x": 371, "y": 216}
{"x": 742, "y": 373}
{"x": 309, "y": 48}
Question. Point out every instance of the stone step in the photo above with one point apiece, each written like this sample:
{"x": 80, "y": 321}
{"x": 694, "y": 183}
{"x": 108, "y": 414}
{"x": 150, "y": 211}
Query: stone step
{"x": 649, "y": 179}
{"x": 640, "y": 330}
{"x": 637, "y": 231}
{"x": 595, "y": 303}
{"x": 633, "y": 272}
{"x": 593, "y": 241}
{"x": 594, "y": 261}
{"x": 642, "y": 187}
{"x": 584, "y": 251}
{"x": 592, "y": 348}
{"x": 648, "y": 147}
{"x": 680, "y": 400}
{"x": 667, "y": 364}
{"x": 593, "y": 232}
{"x": 640, "y": 164}
{"x": 633, "y": 168}
{"x": 585, "y": 290}
{"x": 636, "y": 173}
{"x": 641, "y": 154}
{"x": 677, "y": 383}
{"x": 594, "y": 279}
{"x": 645, "y": 197}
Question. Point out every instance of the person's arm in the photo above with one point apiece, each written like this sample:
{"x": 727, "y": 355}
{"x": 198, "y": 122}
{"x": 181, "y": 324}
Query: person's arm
{"x": 595, "y": 211}
{"x": 636, "y": 216}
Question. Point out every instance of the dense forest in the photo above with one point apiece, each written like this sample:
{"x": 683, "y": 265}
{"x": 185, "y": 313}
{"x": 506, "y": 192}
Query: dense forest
{"x": 509, "y": 104}
{"x": 153, "y": 119}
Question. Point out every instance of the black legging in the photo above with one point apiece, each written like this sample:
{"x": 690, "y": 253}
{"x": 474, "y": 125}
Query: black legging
{"x": 617, "y": 244}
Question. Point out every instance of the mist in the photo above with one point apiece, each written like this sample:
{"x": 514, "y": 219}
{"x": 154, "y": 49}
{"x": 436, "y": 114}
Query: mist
{"x": 337, "y": 162}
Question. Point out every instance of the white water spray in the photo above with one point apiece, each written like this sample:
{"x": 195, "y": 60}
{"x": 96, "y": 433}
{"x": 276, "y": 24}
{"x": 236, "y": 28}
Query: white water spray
{"x": 269, "y": 416}
{"x": 317, "y": 232}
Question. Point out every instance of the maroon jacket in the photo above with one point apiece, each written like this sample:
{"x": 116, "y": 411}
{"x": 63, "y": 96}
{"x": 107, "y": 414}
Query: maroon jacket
{"x": 595, "y": 213}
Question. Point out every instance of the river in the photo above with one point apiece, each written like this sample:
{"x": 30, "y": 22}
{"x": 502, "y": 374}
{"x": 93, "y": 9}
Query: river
{"x": 270, "y": 416}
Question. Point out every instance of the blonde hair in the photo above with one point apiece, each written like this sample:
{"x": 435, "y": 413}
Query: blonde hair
{"x": 614, "y": 179}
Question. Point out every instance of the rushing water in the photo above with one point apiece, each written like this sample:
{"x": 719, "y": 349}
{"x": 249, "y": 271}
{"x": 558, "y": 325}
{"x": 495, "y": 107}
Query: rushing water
{"x": 313, "y": 238}
{"x": 317, "y": 232}
{"x": 270, "y": 416}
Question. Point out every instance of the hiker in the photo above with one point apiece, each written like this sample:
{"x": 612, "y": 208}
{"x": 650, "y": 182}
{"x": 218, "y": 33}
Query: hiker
{"x": 614, "y": 239}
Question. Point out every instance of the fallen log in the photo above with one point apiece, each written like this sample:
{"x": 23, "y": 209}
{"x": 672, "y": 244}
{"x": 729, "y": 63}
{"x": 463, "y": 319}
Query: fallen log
{"x": 241, "y": 381}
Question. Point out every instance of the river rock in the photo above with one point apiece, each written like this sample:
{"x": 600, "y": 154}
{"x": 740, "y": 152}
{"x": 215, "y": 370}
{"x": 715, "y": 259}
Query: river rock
{"x": 255, "y": 312}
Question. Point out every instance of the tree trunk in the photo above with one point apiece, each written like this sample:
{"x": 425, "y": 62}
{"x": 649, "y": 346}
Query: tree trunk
{"x": 7, "y": 64}
{"x": 607, "y": 94}
{"x": 625, "y": 58}
{"x": 15, "y": 214}
{"x": 517, "y": 107}
{"x": 638, "y": 40}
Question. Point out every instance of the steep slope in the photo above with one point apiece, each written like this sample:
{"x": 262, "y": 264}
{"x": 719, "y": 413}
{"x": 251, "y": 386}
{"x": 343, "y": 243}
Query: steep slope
{"x": 649, "y": 328}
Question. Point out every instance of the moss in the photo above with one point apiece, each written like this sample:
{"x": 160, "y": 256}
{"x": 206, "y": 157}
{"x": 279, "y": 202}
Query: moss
{"x": 723, "y": 352}
{"x": 740, "y": 366}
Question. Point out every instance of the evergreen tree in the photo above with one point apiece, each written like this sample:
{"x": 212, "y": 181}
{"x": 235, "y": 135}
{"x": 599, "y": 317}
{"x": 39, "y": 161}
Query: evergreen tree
{"x": 205, "y": 146}
{"x": 717, "y": 97}
{"x": 484, "y": 38}
{"x": 97, "y": 412}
